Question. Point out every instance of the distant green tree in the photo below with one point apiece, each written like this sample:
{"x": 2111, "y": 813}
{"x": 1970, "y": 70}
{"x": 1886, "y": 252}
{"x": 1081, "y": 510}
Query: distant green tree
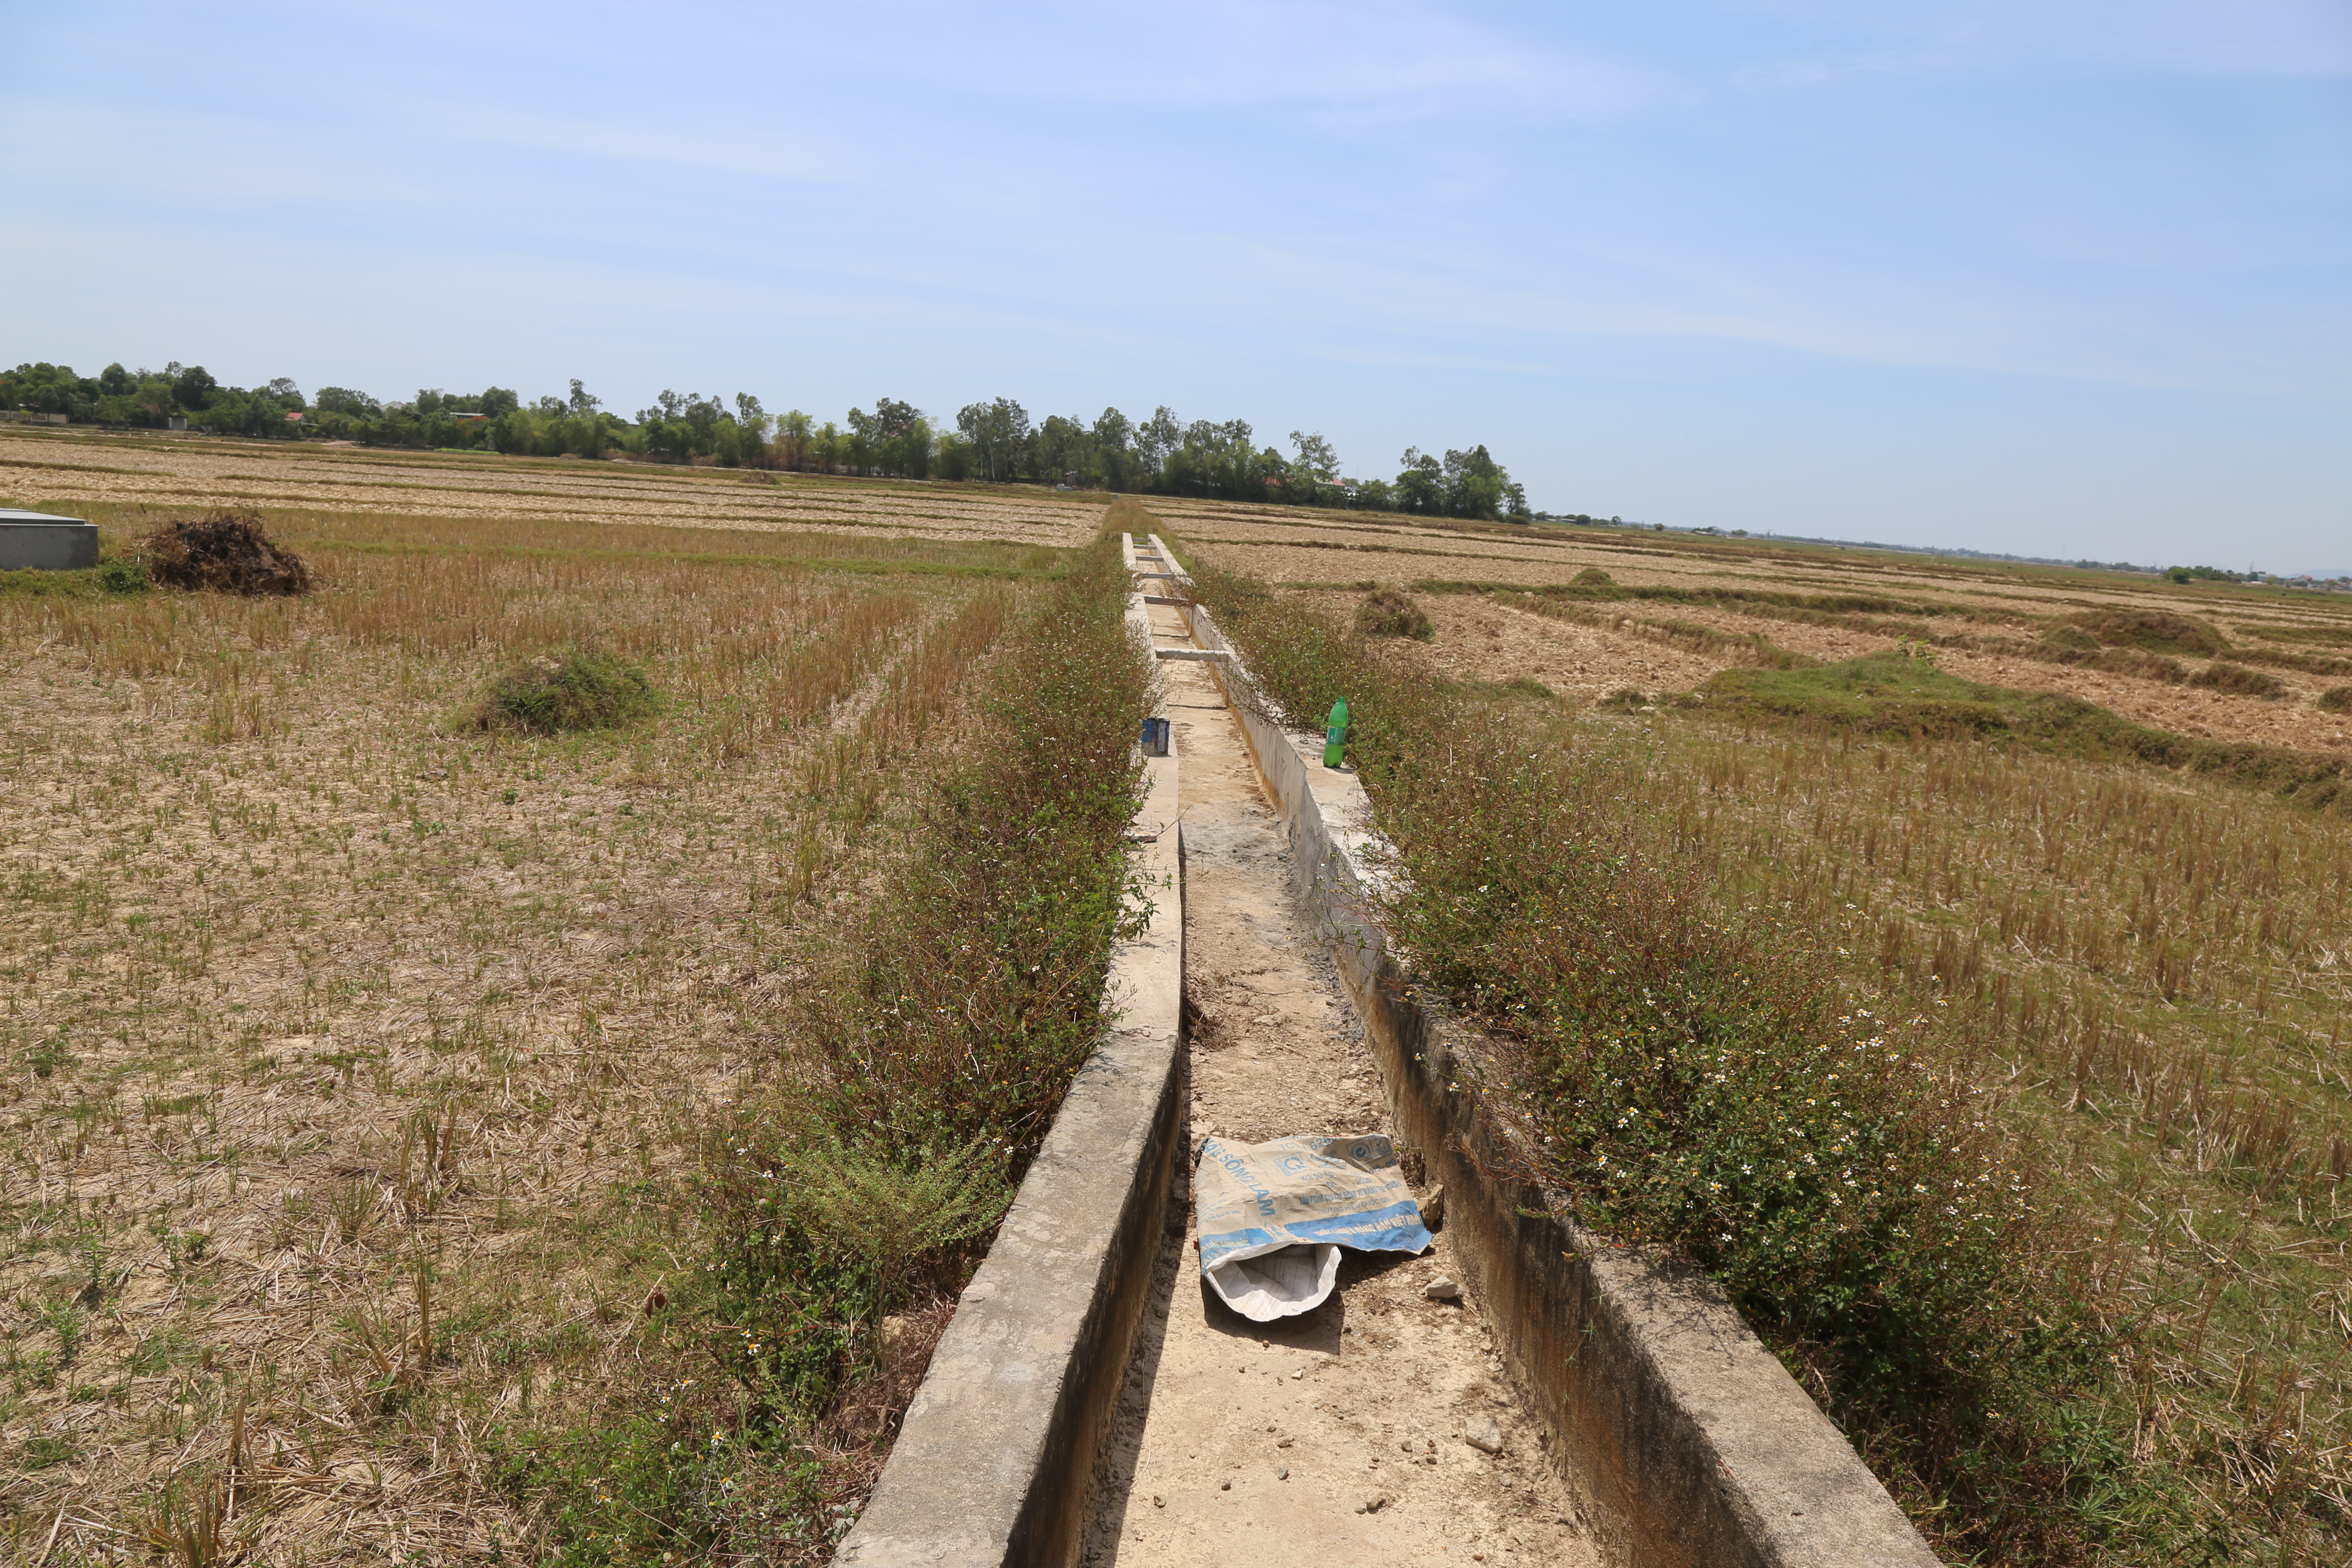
{"x": 998, "y": 434}
{"x": 1475, "y": 484}
{"x": 343, "y": 400}
{"x": 954, "y": 459}
{"x": 792, "y": 432}
{"x": 1111, "y": 445}
{"x": 896, "y": 437}
{"x": 1316, "y": 455}
{"x": 1156, "y": 441}
{"x": 193, "y": 389}
{"x": 1420, "y": 484}
{"x": 1059, "y": 447}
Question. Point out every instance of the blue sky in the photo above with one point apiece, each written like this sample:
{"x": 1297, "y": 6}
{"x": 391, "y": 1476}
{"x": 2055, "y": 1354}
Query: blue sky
{"x": 2070, "y": 279}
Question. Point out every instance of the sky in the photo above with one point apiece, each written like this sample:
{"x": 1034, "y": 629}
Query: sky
{"x": 2051, "y": 277}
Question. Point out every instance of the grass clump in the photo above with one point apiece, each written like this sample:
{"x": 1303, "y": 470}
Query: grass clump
{"x": 577, "y": 689}
{"x": 1386, "y": 613}
{"x": 2150, "y": 631}
{"x": 2336, "y": 699}
{"x": 123, "y": 574}
{"x": 227, "y": 553}
{"x": 115, "y": 576}
{"x": 2220, "y": 676}
{"x": 1897, "y": 693}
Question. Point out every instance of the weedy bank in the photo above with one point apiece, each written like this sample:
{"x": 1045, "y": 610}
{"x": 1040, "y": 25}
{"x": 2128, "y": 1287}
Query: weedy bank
{"x": 2001, "y": 1086}
{"x": 376, "y": 1077}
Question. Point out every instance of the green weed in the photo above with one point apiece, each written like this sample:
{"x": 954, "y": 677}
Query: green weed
{"x": 580, "y": 689}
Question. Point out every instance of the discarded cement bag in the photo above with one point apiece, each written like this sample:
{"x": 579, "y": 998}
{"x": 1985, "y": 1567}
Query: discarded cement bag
{"x": 1274, "y": 1216}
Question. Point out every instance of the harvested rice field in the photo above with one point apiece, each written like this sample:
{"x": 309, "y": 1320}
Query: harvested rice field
{"x": 393, "y": 1091}
{"x": 1674, "y": 609}
{"x": 2083, "y": 840}
{"x": 372, "y": 1058}
{"x": 73, "y": 471}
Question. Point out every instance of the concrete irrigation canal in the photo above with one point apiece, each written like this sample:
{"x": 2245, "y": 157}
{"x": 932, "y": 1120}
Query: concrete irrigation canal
{"x": 1521, "y": 1392}
{"x": 1347, "y": 1429}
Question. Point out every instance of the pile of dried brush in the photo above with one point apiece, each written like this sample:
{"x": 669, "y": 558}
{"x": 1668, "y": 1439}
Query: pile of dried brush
{"x": 227, "y": 553}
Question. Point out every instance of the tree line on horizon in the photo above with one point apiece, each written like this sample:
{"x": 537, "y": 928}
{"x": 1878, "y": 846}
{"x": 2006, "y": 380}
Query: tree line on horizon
{"x": 994, "y": 441}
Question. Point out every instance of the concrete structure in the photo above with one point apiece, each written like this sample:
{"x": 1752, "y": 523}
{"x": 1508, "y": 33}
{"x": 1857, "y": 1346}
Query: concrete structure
{"x": 34, "y": 541}
{"x": 1686, "y": 1441}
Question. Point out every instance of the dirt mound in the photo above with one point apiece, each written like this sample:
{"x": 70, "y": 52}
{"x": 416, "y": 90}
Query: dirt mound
{"x": 2150, "y": 631}
{"x": 227, "y": 553}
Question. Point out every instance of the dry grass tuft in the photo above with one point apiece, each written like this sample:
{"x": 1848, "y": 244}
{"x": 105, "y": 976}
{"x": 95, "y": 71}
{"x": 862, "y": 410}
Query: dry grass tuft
{"x": 1386, "y": 613}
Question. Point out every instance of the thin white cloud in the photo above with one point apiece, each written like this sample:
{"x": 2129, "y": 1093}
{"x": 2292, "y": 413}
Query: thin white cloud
{"x": 2197, "y": 38}
{"x": 1377, "y": 61}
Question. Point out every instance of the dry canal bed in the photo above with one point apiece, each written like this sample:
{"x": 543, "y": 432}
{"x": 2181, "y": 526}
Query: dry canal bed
{"x": 1344, "y": 1429}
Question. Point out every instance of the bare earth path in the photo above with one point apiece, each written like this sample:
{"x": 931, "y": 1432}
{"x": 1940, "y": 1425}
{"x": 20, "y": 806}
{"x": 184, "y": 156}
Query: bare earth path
{"x": 1338, "y": 1435}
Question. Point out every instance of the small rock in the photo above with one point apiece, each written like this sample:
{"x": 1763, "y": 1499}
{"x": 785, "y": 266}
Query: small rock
{"x": 1442, "y": 1290}
{"x": 1375, "y": 1503}
{"x": 1485, "y": 1436}
{"x": 1160, "y": 1502}
{"x": 1225, "y": 1487}
{"x": 1283, "y": 1473}
{"x": 1433, "y": 1208}
{"x": 1284, "y": 1444}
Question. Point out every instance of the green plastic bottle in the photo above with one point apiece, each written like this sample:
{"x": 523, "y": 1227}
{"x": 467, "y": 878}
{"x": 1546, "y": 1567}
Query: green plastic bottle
{"x": 1335, "y": 735}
